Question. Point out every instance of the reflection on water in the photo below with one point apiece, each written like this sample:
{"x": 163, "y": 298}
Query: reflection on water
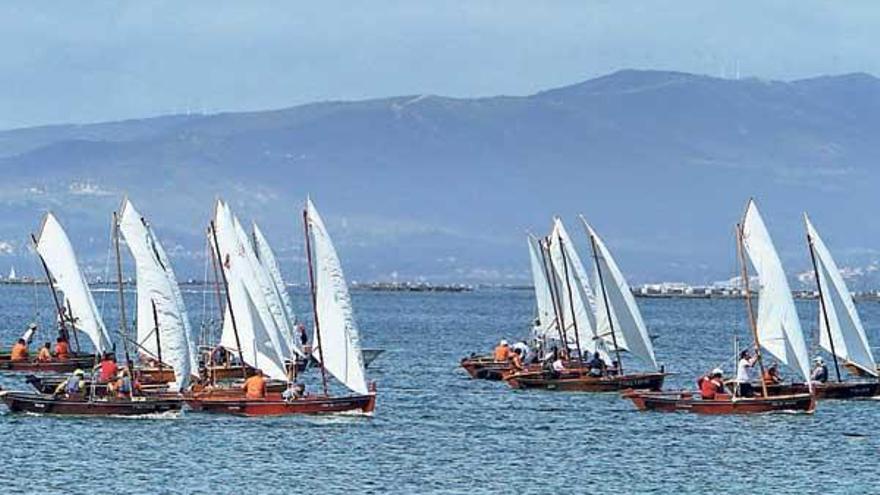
{"x": 437, "y": 431}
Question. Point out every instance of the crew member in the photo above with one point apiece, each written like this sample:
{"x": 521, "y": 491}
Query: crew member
{"x": 820, "y": 370}
{"x": 62, "y": 349}
{"x": 744, "y": 373}
{"x": 771, "y": 375}
{"x": 502, "y": 352}
{"x": 74, "y": 384}
{"x": 255, "y": 386}
{"x": 19, "y": 351}
{"x": 44, "y": 356}
{"x": 107, "y": 368}
{"x": 711, "y": 386}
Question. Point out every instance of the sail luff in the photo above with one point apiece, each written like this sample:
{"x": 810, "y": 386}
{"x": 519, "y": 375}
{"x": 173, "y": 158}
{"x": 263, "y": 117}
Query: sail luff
{"x": 269, "y": 262}
{"x": 848, "y": 340}
{"x": 543, "y": 296}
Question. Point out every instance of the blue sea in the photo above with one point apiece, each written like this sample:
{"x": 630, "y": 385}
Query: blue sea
{"x": 437, "y": 431}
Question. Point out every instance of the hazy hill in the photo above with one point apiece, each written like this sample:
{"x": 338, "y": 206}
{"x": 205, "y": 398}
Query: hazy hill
{"x": 662, "y": 163}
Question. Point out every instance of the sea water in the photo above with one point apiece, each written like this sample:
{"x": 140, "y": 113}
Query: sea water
{"x": 437, "y": 431}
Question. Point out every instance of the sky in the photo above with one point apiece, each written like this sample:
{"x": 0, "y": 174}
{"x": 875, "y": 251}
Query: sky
{"x": 64, "y": 62}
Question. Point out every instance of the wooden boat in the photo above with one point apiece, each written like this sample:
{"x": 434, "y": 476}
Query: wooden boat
{"x": 247, "y": 327}
{"x": 274, "y": 405}
{"x": 54, "y": 366}
{"x": 685, "y": 401}
{"x": 19, "y": 402}
{"x": 777, "y": 330}
{"x": 580, "y": 380}
{"x": 857, "y": 389}
{"x": 46, "y": 384}
{"x": 486, "y": 368}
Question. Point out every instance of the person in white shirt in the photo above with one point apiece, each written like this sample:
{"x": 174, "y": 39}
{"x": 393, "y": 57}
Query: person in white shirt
{"x": 744, "y": 373}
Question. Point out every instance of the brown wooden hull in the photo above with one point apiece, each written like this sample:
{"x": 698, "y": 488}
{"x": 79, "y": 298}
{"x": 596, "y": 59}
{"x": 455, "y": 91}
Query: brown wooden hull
{"x": 274, "y": 405}
{"x": 482, "y": 368}
{"x": 46, "y": 384}
{"x": 685, "y": 401}
{"x": 829, "y": 390}
{"x": 63, "y": 366}
{"x": 46, "y": 404}
{"x": 582, "y": 382}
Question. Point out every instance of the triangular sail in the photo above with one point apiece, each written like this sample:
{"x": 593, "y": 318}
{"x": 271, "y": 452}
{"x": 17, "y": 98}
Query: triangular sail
{"x": 847, "y": 332}
{"x": 56, "y": 250}
{"x": 573, "y": 300}
{"x": 543, "y": 296}
{"x": 625, "y": 314}
{"x": 284, "y": 307}
{"x": 779, "y": 328}
{"x": 156, "y": 284}
{"x": 340, "y": 349}
{"x": 252, "y": 316}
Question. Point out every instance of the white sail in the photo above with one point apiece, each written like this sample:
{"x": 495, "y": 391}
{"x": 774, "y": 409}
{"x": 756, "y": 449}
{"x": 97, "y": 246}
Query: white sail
{"x": 156, "y": 284}
{"x": 257, "y": 348}
{"x": 779, "y": 328}
{"x": 57, "y": 251}
{"x": 252, "y": 316}
{"x": 577, "y": 315}
{"x": 629, "y": 327}
{"x": 339, "y": 348}
{"x": 284, "y": 306}
{"x": 847, "y": 332}
{"x": 543, "y": 296}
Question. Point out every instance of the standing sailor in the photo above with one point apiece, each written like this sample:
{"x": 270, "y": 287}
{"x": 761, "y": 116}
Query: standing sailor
{"x": 744, "y": 373}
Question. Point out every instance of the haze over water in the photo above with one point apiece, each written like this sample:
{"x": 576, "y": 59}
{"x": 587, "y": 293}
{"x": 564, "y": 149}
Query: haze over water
{"x": 437, "y": 431}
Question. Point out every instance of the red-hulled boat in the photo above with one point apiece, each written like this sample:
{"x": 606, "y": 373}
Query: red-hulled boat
{"x": 82, "y": 406}
{"x": 829, "y": 390}
{"x": 580, "y": 380}
{"x": 686, "y": 401}
{"x": 486, "y": 368}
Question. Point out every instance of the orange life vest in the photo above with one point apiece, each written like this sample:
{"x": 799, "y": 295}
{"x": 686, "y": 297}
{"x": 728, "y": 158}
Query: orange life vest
{"x": 19, "y": 352}
{"x": 502, "y": 353}
{"x": 709, "y": 388}
{"x": 62, "y": 350}
{"x": 255, "y": 387}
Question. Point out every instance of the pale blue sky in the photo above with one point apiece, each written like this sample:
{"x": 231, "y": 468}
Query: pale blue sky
{"x": 94, "y": 61}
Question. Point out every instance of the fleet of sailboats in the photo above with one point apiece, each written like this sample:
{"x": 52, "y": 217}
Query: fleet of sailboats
{"x": 588, "y": 334}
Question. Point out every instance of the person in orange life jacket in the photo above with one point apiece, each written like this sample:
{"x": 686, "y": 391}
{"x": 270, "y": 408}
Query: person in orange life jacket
{"x": 62, "y": 349}
{"x": 771, "y": 375}
{"x": 107, "y": 368}
{"x": 502, "y": 351}
{"x": 19, "y": 351}
{"x": 255, "y": 386}
{"x": 712, "y": 385}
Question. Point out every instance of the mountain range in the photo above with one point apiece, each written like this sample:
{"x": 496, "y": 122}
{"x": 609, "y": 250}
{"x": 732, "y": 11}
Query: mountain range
{"x": 424, "y": 187}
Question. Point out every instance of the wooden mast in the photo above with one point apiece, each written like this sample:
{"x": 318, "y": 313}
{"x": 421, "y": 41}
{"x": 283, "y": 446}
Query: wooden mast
{"x": 58, "y": 307}
{"x": 605, "y": 302}
{"x": 577, "y": 338}
{"x": 123, "y": 327}
{"x": 822, "y": 304}
{"x": 314, "y": 295}
{"x": 557, "y": 302}
{"x": 752, "y": 324}
{"x": 228, "y": 299}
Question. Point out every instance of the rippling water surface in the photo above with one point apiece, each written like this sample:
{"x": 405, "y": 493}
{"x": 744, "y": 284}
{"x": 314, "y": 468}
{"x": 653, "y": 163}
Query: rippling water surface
{"x": 436, "y": 431}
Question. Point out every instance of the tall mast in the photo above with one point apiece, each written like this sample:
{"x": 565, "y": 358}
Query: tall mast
{"x": 557, "y": 302}
{"x": 577, "y": 338}
{"x": 314, "y": 294}
{"x": 544, "y": 269}
{"x": 745, "y": 277}
{"x": 58, "y": 307}
{"x": 228, "y": 299}
{"x": 822, "y": 304}
{"x": 123, "y": 327}
{"x": 605, "y": 302}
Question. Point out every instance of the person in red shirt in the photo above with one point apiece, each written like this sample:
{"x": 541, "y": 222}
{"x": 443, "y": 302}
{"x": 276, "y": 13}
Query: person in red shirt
{"x": 62, "y": 349}
{"x": 255, "y": 386}
{"x": 107, "y": 368}
{"x": 711, "y": 386}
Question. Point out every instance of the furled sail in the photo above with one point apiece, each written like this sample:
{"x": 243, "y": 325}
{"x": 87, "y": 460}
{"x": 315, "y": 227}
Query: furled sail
{"x": 56, "y": 250}
{"x": 284, "y": 307}
{"x": 339, "y": 349}
{"x": 779, "y": 329}
{"x": 629, "y": 327}
{"x": 156, "y": 284}
{"x": 576, "y": 311}
{"x": 844, "y": 324}
{"x": 544, "y": 298}
{"x": 259, "y": 337}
